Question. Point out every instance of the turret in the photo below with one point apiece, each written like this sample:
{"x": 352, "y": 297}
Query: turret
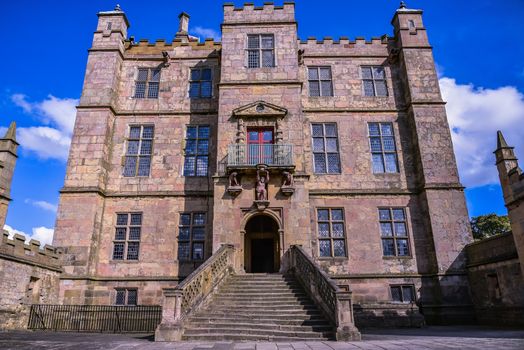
{"x": 507, "y": 164}
{"x": 8, "y": 156}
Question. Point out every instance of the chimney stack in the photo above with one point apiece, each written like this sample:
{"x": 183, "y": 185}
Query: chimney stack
{"x": 183, "y": 27}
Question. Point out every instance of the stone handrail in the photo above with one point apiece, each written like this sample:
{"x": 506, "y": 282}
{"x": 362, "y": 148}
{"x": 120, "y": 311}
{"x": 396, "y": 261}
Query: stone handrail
{"x": 334, "y": 302}
{"x": 189, "y": 295}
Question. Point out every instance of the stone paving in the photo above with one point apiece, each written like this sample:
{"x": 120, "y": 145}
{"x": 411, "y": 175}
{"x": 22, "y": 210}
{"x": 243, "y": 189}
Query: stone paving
{"x": 396, "y": 339}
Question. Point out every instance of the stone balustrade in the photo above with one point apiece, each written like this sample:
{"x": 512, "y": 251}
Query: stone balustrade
{"x": 188, "y": 296}
{"x": 332, "y": 300}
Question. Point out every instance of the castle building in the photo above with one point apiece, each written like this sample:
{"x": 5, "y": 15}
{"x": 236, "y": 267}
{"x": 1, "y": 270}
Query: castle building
{"x": 264, "y": 141}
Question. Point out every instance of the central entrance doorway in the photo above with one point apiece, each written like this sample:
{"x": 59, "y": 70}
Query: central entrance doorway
{"x": 261, "y": 245}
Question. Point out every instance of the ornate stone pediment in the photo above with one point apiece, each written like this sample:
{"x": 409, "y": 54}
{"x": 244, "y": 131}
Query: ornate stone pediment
{"x": 260, "y": 109}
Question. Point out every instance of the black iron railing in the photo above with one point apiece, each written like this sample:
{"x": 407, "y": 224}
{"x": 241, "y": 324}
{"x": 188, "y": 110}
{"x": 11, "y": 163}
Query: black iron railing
{"x": 95, "y": 318}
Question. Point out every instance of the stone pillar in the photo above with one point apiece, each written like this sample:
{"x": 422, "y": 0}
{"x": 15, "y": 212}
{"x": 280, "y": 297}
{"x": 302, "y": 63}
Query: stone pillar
{"x": 183, "y": 27}
{"x": 441, "y": 193}
{"x": 170, "y": 329}
{"x": 8, "y": 156}
{"x": 346, "y": 329}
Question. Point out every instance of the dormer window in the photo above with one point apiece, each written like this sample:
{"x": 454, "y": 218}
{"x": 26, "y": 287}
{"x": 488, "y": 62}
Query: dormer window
{"x": 260, "y": 50}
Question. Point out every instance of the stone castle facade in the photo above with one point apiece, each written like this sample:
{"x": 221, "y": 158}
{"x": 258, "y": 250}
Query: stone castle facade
{"x": 264, "y": 141}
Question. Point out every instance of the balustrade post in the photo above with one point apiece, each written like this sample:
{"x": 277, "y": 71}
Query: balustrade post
{"x": 346, "y": 329}
{"x": 170, "y": 329}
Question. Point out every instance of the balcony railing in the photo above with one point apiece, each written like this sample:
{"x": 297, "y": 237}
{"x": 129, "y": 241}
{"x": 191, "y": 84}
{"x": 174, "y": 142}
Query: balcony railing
{"x": 253, "y": 154}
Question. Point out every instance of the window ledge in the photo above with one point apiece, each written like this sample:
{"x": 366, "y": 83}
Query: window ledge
{"x": 124, "y": 261}
{"x": 333, "y": 258}
{"x": 397, "y": 257}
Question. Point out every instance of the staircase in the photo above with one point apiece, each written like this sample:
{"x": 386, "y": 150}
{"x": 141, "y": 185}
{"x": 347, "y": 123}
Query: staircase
{"x": 269, "y": 307}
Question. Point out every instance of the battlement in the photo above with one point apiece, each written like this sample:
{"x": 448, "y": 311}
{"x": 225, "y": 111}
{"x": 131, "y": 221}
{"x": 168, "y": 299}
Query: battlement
{"x": 327, "y": 46}
{"x": 31, "y": 253}
{"x": 144, "y": 46}
{"x": 268, "y": 13}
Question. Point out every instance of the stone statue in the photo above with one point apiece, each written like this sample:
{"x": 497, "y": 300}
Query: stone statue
{"x": 287, "y": 179}
{"x": 261, "y": 187}
{"x": 233, "y": 179}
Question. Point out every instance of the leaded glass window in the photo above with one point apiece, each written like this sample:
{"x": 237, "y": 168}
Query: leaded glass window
{"x": 326, "y": 157}
{"x": 126, "y": 296}
{"x": 383, "y": 148}
{"x": 196, "y": 150}
{"x": 403, "y": 293}
{"x": 260, "y": 50}
{"x": 320, "y": 83}
{"x": 374, "y": 81}
{"x": 200, "y": 85}
{"x": 191, "y": 236}
{"x": 128, "y": 229}
{"x": 394, "y": 232}
{"x": 147, "y": 83}
{"x": 139, "y": 150}
{"x": 331, "y": 232}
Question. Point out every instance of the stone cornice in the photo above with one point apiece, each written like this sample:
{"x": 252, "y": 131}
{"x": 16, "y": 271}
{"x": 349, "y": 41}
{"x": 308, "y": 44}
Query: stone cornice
{"x": 150, "y": 112}
{"x": 107, "y": 194}
{"x": 397, "y": 275}
{"x": 127, "y": 278}
{"x": 261, "y": 82}
{"x": 258, "y": 24}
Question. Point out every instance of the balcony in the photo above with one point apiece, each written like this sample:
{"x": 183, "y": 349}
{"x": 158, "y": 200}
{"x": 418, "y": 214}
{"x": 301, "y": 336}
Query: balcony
{"x": 249, "y": 155}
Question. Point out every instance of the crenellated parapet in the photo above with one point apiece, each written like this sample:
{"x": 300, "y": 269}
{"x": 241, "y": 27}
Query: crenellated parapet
{"x": 185, "y": 48}
{"x": 345, "y": 47}
{"x": 268, "y": 13}
{"x": 16, "y": 249}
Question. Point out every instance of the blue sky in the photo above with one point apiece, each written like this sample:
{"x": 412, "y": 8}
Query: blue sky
{"x": 477, "y": 46}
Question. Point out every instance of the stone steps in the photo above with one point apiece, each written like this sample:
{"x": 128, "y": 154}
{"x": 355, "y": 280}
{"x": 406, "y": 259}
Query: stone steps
{"x": 268, "y": 307}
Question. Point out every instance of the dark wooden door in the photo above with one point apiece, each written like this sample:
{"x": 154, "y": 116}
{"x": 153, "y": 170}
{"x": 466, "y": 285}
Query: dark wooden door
{"x": 262, "y": 255}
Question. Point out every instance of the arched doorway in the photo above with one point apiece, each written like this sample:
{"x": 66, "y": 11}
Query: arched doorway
{"x": 261, "y": 245}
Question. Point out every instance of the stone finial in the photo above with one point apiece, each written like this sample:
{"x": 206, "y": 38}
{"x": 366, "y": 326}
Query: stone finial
{"x": 11, "y": 132}
{"x": 118, "y": 8}
{"x": 501, "y": 142}
{"x": 402, "y": 5}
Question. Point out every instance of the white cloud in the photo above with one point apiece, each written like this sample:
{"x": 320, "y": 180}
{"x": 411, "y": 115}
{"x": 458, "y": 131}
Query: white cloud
{"x": 46, "y": 142}
{"x": 42, "y": 204}
{"x": 204, "y": 33}
{"x": 52, "y": 140}
{"x": 42, "y": 234}
{"x": 3, "y": 130}
{"x": 475, "y": 114}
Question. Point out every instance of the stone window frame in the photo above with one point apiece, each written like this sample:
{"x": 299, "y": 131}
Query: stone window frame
{"x": 198, "y": 154}
{"x": 200, "y": 81}
{"x": 401, "y": 288}
{"x": 391, "y": 221}
{"x": 139, "y": 156}
{"x": 124, "y": 294}
{"x": 330, "y": 237}
{"x": 190, "y": 239}
{"x": 319, "y": 80}
{"x": 383, "y": 152}
{"x": 324, "y": 136}
{"x": 127, "y": 240}
{"x": 374, "y": 80}
{"x": 147, "y": 87}
{"x": 259, "y": 49}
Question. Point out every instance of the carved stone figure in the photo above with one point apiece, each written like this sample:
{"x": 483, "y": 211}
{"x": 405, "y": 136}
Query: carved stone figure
{"x": 261, "y": 187}
{"x": 233, "y": 179}
{"x": 287, "y": 179}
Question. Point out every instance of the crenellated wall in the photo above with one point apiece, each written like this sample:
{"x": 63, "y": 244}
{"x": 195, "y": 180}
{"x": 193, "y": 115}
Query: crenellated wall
{"x": 29, "y": 275}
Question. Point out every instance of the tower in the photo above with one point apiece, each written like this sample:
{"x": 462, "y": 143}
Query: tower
{"x": 8, "y": 156}
{"x": 512, "y": 182}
